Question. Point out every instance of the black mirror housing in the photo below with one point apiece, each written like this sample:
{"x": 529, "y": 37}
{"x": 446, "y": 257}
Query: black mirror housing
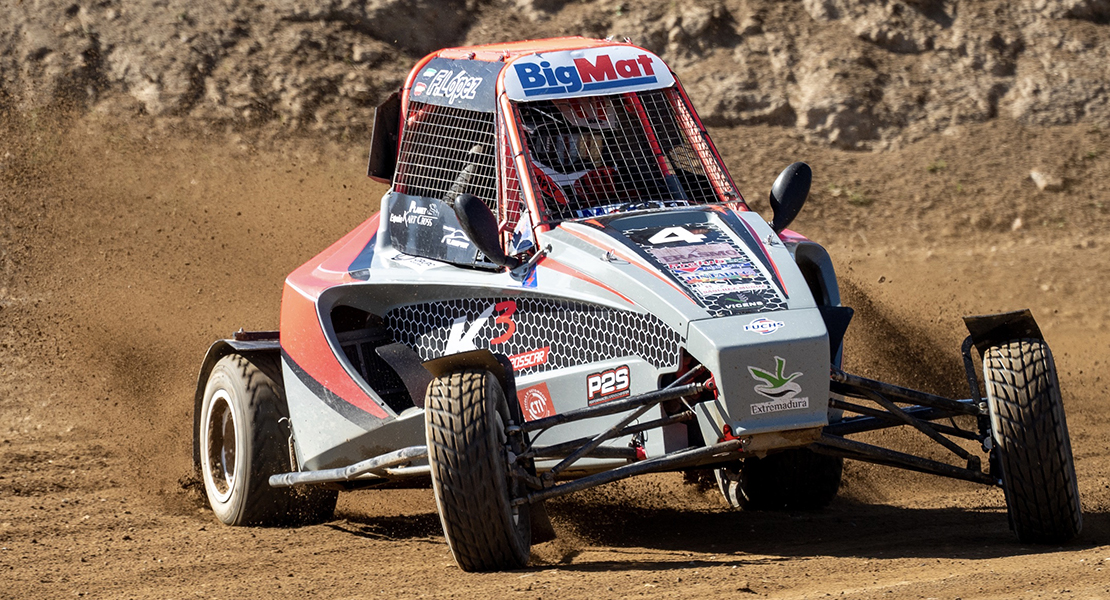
{"x": 480, "y": 225}
{"x": 789, "y": 193}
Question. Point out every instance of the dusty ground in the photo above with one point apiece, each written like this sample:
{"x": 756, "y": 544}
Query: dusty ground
{"x": 125, "y": 250}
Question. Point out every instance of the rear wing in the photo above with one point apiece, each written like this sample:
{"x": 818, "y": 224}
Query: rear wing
{"x": 383, "y": 139}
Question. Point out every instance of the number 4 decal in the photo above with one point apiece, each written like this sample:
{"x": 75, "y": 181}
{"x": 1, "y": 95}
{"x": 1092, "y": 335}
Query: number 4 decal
{"x": 675, "y": 234}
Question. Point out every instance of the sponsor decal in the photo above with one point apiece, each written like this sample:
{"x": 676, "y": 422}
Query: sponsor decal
{"x": 428, "y": 72}
{"x": 585, "y": 75}
{"x": 781, "y": 389}
{"x": 688, "y": 254}
{"x": 733, "y": 303}
{"x": 716, "y": 271}
{"x": 453, "y": 236}
{"x": 599, "y": 211}
{"x": 709, "y": 289}
{"x": 535, "y": 402}
{"x": 532, "y": 358}
{"x": 582, "y": 72}
{"x": 452, "y": 86}
{"x": 728, "y": 274}
{"x": 419, "y": 88}
{"x": 764, "y": 326}
{"x": 416, "y": 263}
{"x": 741, "y": 301}
{"x": 699, "y": 265}
{"x": 611, "y": 384}
{"x": 464, "y": 332}
{"x": 424, "y": 216}
{"x": 762, "y": 408}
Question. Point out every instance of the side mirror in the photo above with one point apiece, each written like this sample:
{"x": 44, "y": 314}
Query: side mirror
{"x": 789, "y": 193}
{"x": 480, "y": 226}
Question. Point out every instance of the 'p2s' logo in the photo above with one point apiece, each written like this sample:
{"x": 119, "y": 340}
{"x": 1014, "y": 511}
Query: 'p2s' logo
{"x": 607, "y": 385}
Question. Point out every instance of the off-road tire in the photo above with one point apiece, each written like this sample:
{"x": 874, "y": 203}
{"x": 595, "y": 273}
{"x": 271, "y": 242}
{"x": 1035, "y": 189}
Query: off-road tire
{"x": 465, "y": 419}
{"x": 243, "y": 441}
{"x": 1031, "y": 444}
{"x": 795, "y": 479}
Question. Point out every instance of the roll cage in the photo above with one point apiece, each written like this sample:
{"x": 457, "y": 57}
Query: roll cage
{"x": 536, "y": 162}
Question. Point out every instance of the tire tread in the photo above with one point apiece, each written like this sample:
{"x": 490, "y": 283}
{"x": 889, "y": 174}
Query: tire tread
{"x": 1034, "y": 450}
{"x": 468, "y": 476}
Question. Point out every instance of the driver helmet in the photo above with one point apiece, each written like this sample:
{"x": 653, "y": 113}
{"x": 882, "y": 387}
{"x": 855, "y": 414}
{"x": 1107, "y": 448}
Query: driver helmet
{"x": 568, "y": 146}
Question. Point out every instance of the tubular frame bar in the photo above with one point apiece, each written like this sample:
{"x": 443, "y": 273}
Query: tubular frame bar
{"x": 659, "y": 463}
{"x": 616, "y": 428}
{"x": 876, "y": 419}
{"x": 969, "y": 368}
{"x": 378, "y": 463}
{"x": 597, "y": 440}
{"x": 856, "y": 386}
{"x": 600, "y": 452}
{"x": 922, "y": 426}
{"x": 838, "y": 446}
{"x": 616, "y": 406}
{"x": 560, "y": 450}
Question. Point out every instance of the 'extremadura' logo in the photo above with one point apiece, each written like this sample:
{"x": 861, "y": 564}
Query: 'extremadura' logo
{"x": 781, "y": 389}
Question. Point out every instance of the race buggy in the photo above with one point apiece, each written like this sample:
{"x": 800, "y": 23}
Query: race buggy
{"x": 564, "y": 288}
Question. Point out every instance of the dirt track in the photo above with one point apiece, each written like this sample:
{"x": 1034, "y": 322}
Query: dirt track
{"x": 125, "y": 251}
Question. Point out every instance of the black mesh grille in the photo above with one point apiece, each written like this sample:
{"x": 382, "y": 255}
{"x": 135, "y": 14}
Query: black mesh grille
{"x": 572, "y": 333}
{"x": 591, "y": 155}
{"x": 447, "y": 151}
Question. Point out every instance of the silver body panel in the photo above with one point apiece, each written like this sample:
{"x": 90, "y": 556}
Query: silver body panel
{"x": 439, "y": 308}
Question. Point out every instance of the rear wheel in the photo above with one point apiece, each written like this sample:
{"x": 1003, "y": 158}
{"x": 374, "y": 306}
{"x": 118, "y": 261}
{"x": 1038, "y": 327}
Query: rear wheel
{"x": 1032, "y": 448}
{"x": 243, "y": 442}
{"x": 789, "y": 480}
{"x": 466, "y": 415}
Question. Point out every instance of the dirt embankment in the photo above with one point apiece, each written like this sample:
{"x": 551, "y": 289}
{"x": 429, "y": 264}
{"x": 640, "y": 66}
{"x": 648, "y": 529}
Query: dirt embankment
{"x": 850, "y": 73}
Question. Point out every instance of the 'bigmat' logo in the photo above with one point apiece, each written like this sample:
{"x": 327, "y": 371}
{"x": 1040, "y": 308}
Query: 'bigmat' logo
{"x": 582, "y": 72}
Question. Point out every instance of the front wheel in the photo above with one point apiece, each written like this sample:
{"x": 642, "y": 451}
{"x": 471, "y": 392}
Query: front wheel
{"x": 1032, "y": 447}
{"x": 465, "y": 418}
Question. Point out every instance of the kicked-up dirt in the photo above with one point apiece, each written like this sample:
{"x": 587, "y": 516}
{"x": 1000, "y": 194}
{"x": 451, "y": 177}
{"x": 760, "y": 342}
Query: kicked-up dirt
{"x": 125, "y": 249}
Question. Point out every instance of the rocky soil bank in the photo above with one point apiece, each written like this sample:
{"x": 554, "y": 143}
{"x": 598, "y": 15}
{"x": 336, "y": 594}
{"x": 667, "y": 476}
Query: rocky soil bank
{"x": 854, "y": 74}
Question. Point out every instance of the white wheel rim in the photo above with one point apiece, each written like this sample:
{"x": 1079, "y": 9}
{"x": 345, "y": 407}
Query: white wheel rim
{"x": 219, "y": 457}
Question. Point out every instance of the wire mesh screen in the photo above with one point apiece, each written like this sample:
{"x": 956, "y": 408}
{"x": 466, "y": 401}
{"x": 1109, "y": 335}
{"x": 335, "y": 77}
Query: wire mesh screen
{"x": 447, "y": 151}
{"x": 592, "y": 156}
{"x": 703, "y": 145}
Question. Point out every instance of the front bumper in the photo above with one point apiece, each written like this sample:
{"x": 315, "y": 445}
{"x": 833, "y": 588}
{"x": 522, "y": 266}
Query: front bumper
{"x": 771, "y": 370}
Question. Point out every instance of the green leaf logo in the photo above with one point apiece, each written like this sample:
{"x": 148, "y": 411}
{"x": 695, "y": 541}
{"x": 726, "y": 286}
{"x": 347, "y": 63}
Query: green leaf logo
{"x": 774, "y": 383}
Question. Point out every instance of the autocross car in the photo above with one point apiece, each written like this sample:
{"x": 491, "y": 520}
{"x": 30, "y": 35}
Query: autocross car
{"x": 563, "y": 288}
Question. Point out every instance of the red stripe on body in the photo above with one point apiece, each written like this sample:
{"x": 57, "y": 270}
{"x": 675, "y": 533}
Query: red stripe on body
{"x": 792, "y": 237}
{"x": 302, "y": 334}
{"x": 559, "y": 267}
{"x": 767, "y": 254}
{"x": 631, "y": 259}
